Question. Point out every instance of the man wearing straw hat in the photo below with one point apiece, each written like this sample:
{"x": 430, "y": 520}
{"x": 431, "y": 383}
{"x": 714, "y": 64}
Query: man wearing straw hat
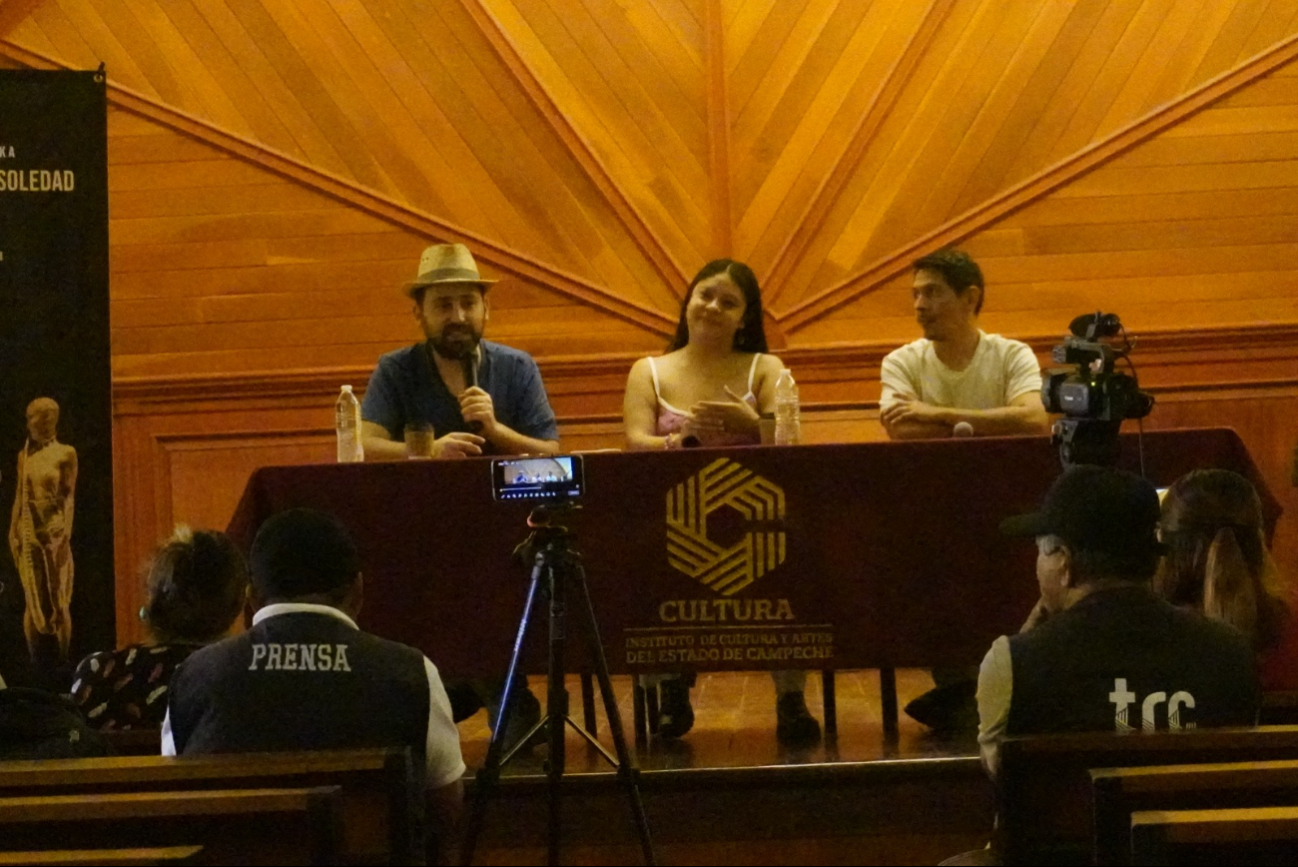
{"x": 476, "y": 396}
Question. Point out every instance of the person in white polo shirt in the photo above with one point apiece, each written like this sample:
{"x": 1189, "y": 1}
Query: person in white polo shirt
{"x": 957, "y": 379}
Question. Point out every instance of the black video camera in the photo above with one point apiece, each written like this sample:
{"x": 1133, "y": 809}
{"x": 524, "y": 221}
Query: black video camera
{"x": 1094, "y": 398}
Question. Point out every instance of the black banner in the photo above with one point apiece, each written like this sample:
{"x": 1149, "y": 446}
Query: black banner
{"x": 56, "y": 506}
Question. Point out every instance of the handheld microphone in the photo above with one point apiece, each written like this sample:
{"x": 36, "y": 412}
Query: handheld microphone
{"x": 470, "y": 365}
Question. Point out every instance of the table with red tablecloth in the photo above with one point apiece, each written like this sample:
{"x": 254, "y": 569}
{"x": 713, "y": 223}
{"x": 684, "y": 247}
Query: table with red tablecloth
{"x": 868, "y": 555}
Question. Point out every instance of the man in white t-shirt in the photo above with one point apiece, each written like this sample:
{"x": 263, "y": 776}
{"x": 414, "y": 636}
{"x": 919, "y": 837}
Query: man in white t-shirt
{"x": 957, "y": 374}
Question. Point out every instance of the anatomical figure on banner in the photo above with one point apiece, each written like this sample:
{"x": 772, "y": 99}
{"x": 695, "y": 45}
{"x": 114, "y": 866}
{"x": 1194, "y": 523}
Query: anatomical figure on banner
{"x": 40, "y": 527}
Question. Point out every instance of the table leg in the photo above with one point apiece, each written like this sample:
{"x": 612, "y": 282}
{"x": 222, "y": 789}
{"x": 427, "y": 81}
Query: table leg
{"x": 588, "y": 703}
{"x": 830, "y": 701}
{"x": 888, "y": 702}
{"x": 651, "y": 695}
{"x": 639, "y": 719}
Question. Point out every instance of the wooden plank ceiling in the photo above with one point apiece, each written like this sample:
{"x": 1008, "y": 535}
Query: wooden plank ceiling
{"x": 276, "y": 166}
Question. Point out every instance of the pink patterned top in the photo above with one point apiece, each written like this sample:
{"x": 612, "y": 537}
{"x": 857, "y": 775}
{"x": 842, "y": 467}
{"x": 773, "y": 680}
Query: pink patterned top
{"x": 671, "y": 420}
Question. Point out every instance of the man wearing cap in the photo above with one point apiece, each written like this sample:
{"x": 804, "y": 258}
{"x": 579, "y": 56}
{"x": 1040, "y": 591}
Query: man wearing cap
{"x": 304, "y": 677}
{"x": 475, "y": 395}
{"x": 1101, "y": 652}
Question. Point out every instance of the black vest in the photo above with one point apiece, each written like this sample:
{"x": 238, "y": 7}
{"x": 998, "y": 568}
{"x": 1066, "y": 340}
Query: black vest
{"x": 1124, "y": 660}
{"x": 300, "y": 681}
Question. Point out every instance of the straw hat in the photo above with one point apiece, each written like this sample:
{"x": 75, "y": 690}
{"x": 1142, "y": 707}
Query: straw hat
{"x": 446, "y": 263}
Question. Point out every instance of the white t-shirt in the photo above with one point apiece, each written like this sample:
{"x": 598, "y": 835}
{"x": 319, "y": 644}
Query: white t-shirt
{"x": 1000, "y": 371}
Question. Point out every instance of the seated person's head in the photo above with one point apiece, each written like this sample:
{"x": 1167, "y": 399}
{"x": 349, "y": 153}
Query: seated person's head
{"x": 1217, "y": 560}
{"x": 1097, "y": 527}
{"x": 303, "y": 555}
{"x": 736, "y": 290}
{"x": 197, "y": 586}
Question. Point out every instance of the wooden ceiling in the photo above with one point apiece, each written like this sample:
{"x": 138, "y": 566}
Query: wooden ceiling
{"x": 277, "y": 164}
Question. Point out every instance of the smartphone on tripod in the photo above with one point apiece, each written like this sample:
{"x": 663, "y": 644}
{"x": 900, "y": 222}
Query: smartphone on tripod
{"x": 541, "y": 480}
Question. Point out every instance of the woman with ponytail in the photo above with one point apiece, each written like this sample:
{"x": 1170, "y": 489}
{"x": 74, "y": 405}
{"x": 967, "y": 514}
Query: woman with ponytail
{"x": 197, "y": 587}
{"x": 1217, "y": 563}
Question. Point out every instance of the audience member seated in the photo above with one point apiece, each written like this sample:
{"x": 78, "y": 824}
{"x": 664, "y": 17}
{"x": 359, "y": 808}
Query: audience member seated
{"x": 197, "y": 588}
{"x": 1217, "y": 563}
{"x": 709, "y": 389}
{"x": 304, "y": 677}
{"x": 1102, "y": 652}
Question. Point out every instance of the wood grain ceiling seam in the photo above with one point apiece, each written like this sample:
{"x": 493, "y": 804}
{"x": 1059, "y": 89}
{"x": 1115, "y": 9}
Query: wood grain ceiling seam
{"x": 502, "y": 256}
{"x": 13, "y": 12}
{"x": 578, "y": 147}
{"x": 1042, "y": 184}
{"x": 714, "y": 60}
{"x": 835, "y": 181}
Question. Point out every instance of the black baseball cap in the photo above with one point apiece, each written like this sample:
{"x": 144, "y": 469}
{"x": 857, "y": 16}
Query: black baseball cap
{"x": 1095, "y": 508}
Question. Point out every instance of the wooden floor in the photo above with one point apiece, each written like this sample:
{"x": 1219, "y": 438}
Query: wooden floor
{"x": 734, "y": 726}
{"x": 728, "y": 793}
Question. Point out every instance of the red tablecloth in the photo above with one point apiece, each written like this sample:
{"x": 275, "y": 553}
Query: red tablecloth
{"x": 886, "y": 554}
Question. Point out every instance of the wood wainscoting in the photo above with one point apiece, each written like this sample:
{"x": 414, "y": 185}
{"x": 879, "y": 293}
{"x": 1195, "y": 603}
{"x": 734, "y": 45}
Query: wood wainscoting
{"x": 184, "y": 447}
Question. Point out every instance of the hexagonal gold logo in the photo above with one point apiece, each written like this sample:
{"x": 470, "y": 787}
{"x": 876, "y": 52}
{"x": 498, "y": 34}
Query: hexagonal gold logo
{"x": 724, "y": 484}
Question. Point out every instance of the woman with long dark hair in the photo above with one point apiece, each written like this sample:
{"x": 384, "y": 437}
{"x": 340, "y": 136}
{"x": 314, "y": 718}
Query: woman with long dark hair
{"x": 711, "y": 388}
{"x": 1217, "y": 562}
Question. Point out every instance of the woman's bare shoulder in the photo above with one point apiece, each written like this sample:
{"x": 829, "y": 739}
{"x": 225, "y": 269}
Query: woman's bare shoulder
{"x": 769, "y": 366}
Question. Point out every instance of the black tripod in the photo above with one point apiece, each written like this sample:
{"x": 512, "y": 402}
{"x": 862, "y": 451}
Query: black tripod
{"x": 556, "y": 571}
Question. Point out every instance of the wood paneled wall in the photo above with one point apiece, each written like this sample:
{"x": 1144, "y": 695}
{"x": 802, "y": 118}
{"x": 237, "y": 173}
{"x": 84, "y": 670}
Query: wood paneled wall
{"x": 276, "y": 168}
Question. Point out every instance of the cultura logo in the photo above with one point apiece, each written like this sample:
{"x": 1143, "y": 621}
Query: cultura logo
{"x": 724, "y": 484}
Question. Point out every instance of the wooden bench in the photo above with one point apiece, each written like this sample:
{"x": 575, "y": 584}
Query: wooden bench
{"x": 104, "y": 857}
{"x": 382, "y": 810}
{"x": 237, "y": 826}
{"x": 1120, "y": 792}
{"x": 1255, "y": 835}
{"x": 1044, "y": 786}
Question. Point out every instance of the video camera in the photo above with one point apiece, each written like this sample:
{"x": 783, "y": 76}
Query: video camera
{"x": 1095, "y": 399}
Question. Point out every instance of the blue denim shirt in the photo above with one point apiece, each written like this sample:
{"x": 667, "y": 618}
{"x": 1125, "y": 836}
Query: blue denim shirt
{"x": 407, "y": 389}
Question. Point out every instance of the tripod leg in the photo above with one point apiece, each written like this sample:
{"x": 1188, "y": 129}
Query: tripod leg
{"x": 627, "y": 771}
{"x": 484, "y": 783}
{"x": 557, "y": 707}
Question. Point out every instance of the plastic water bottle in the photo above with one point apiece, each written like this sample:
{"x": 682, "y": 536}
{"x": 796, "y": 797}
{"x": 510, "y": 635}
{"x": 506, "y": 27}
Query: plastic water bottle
{"x": 347, "y": 424}
{"x": 787, "y": 426}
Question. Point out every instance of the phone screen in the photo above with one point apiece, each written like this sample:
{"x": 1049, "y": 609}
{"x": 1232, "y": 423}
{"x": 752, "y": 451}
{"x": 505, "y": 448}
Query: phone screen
{"x": 544, "y": 479}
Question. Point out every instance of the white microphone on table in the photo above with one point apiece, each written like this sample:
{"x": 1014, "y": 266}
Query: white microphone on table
{"x": 962, "y": 429}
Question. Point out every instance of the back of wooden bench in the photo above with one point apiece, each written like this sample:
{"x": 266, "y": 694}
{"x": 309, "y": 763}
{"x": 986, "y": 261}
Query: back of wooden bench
{"x": 1251, "y": 835}
{"x": 1044, "y": 784}
{"x": 234, "y": 826}
{"x": 1120, "y": 792}
{"x": 382, "y": 810}
{"x": 167, "y": 855}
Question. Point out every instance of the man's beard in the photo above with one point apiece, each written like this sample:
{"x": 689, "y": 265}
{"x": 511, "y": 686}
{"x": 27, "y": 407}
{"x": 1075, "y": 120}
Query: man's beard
{"x": 456, "y": 342}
